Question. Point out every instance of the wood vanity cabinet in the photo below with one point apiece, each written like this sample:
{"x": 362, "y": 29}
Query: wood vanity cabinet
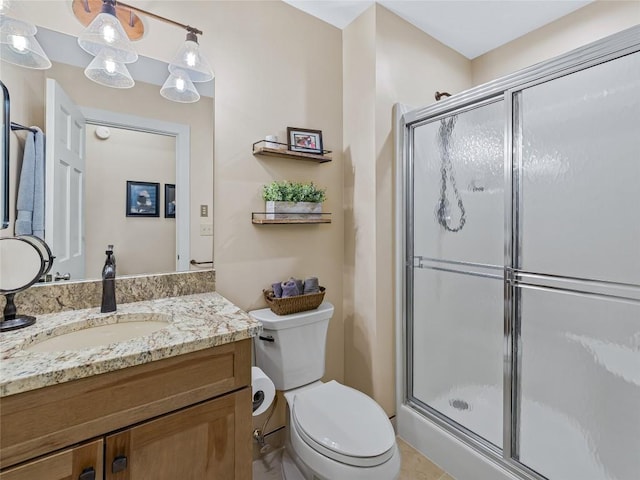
{"x": 83, "y": 462}
{"x": 181, "y": 418}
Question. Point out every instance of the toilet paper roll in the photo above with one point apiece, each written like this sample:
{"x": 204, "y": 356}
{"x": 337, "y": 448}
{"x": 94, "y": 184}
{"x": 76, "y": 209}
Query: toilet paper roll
{"x": 260, "y": 382}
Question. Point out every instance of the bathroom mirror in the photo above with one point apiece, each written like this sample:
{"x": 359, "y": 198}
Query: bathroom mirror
{"x": 130, "y": 135}
{"x": 5, "y": 118}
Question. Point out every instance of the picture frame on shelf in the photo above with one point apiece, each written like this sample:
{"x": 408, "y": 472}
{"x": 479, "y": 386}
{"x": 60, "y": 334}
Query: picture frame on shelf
{"x": 304, "y": 140}
{"x": 169, "y": 200}
{"x": 142, "y": 199}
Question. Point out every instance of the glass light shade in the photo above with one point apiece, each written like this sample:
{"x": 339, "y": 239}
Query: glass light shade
{"x": 14, "y": 26}
{"x": 23, "y": 50}
{"x": 189, "y": 59}
{"x": 106, "y": 31}
{"x": 107, "y": 71}
{"x": 179, "y": 88}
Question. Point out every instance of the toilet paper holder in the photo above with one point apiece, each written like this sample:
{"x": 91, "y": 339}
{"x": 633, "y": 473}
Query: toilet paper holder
{"x": 258, "y": 399}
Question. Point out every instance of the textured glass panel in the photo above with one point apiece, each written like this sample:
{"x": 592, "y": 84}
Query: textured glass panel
{"x": 580, "y": 391}
{"x": 469, "y": 149}
{"x": 458, "y": 348}
{"x": 581, "y": 182}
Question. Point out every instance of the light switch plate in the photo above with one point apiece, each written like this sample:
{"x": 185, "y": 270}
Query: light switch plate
{"x": 204, "y": 210}
{"x": 206, "y": 229}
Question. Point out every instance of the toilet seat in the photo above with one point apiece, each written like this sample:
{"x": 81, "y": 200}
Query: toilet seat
{"x": 343, "y": 424}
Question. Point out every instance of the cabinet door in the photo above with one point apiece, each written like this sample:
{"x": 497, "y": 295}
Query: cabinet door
{"x": 207, "y": 441}
{"x": 78, "y": 463}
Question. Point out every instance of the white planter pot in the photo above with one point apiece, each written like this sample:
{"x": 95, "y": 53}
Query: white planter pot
{"x": 291, "y": 210}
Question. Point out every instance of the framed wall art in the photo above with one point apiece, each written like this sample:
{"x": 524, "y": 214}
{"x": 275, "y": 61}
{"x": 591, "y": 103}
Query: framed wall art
{"x": 169, "y": 200}
{"x": 304, "y": 140}
{"x": 142, "y": 199}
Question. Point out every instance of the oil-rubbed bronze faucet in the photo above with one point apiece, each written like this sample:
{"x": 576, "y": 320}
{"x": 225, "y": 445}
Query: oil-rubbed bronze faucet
{"x": 109, "y": 282}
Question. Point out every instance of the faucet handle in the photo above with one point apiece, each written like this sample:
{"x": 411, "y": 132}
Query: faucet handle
{"x": 64, "y": 276}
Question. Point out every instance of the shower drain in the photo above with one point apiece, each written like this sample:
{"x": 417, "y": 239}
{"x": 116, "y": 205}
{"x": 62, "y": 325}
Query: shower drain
{"x": 459, "y": 404}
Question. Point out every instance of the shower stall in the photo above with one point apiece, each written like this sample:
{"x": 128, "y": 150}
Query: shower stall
{"x": 518, "y": 226}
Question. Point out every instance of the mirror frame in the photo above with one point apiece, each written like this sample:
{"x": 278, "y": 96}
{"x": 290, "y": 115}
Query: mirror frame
{"x": 4, "y": 156}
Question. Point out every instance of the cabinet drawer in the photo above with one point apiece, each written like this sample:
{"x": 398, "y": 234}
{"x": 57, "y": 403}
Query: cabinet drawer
{"x": 40, "y": 421}
{"x": 65, "y": 465}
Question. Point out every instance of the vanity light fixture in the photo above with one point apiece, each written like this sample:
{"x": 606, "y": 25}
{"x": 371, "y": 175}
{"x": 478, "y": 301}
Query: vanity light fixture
{"x": 106, "y": 70}
{"x": 18, "y": 44}
{"x": 179, "y": 88}
{"x": 116, "y": 23}
{"x": 105, "y": 30}
{"x": 110, "y": 27}
{"x": 189, "y": 60}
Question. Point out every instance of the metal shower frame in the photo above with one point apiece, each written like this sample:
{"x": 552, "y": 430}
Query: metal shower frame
{"x": 508, "y": 90}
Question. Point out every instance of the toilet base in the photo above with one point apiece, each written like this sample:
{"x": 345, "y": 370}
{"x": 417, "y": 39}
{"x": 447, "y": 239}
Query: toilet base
{"x": 290, "y": 470}
{"x": 309, "y": 464}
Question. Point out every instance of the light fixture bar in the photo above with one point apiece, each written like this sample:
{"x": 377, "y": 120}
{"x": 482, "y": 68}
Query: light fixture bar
{"x": 161, "y": 18}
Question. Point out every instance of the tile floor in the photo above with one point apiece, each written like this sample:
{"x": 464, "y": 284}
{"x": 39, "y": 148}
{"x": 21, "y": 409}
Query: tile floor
{"x": 415, "y": 466}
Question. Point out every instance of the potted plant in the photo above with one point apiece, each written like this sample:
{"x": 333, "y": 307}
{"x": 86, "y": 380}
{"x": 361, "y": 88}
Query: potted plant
{"x": 291, "y": 198}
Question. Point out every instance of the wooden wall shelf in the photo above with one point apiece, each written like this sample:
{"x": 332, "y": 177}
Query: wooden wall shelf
{"x": 259, "y": 148}
{"x": 262, "y": 218}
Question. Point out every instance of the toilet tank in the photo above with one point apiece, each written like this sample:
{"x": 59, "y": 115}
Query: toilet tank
{"x": 291, "y": 348}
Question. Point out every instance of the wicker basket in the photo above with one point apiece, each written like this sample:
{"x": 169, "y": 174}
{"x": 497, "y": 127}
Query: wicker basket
{"x": 288, "y": 305}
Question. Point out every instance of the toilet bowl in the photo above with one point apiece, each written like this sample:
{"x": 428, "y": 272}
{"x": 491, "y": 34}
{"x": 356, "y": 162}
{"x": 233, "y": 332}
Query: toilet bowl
{"x": 334, "y": 432}
{"x": 338, "y": 432}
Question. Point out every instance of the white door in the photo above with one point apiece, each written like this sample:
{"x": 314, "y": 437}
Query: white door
{"x": 65, "y": 178}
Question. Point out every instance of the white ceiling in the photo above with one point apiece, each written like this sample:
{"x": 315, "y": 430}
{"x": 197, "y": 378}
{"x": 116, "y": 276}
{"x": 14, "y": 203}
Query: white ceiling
{"x": 471, "y": 27}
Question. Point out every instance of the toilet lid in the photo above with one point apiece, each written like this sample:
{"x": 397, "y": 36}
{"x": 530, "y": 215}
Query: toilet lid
{"x": 343, "y": 424}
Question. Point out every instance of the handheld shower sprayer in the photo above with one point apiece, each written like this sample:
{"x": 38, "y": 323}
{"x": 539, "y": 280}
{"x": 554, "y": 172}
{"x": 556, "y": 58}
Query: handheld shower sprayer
{"x": 446, "y": 169}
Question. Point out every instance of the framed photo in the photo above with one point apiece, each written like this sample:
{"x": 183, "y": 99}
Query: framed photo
{"x": 304, "y": 140}
{"x": 142, "y": 199}
{"x": 169, "y": 200}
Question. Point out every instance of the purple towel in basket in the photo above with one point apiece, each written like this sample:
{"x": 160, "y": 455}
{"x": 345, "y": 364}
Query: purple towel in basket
{"x": 277, "y": 290}
{"x": 290, "y": 289}
{"x": 311, "y": 285}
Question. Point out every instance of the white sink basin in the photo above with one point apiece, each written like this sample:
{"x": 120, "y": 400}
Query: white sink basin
{"x": 101, "y": 331}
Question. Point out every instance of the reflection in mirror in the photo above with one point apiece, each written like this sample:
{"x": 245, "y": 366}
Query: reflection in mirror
{"x": 122, "y": 155}
{"x": 148, "y": 153}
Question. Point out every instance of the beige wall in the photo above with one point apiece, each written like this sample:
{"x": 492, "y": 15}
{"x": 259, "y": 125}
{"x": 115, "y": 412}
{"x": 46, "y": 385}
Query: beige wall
{"x": 275, "y": 67}
{"x": 360, "y": 335}
{"x": 588, "y": 24}
{"x": 27, "y": 89}
{"x": 386, "y": 60}
{"x": 141, "y": 244}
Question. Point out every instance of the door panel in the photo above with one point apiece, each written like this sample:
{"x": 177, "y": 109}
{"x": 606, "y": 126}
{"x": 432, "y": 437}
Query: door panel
{"x": 64, "y": 219}
{"x": 581, "y": 173}
{"x": 580, "y": 389}
{"x": 205, "y": 442}
{"x": 468, "y": 148}
{"x": 458, "y": 348}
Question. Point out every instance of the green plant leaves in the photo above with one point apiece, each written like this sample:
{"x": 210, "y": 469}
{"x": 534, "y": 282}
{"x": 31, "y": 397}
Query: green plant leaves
{"x": 286, "y": 191}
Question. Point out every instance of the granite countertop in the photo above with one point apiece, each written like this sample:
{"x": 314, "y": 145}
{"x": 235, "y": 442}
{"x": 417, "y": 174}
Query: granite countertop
{"x": 196, "y": 322}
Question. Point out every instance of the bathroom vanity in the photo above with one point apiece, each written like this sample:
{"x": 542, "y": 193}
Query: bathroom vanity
{"x": 172, "y": 404}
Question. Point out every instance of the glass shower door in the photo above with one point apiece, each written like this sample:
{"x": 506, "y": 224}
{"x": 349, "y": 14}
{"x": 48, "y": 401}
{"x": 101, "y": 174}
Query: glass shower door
{"x": 456, "y": 304}
{"x": 579, "y": 277}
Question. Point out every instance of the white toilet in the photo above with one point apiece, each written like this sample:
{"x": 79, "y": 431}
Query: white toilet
{"x": 335, "y": 432}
